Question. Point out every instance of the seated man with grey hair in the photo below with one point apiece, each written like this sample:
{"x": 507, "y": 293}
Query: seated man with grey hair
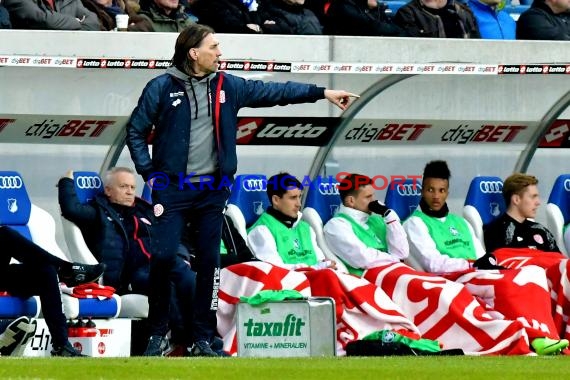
{"x": 116, "y": 226}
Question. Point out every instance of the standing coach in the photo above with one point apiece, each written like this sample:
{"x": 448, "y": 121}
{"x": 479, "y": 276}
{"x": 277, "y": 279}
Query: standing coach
{"x": 193, "y": 109}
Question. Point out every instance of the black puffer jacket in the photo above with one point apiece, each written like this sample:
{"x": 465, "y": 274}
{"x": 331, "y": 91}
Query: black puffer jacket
{"x": 355, "y": 18}
{"x": 123, "y": 246}
{"x": 38, "y": 14}
{"x": 288, "y": 18}
{"x": 225, "y": 16}
{"x": 419, "y": 22}
{"x": 4, "y": 18}
{"x": 540, "y": 23}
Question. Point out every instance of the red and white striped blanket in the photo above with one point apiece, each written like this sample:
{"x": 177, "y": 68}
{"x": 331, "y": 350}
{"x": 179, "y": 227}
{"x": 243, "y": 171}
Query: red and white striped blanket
{"x": 557, "y": 271}
{"x": 410, "y": 302}
{"x": 361, "y": 307}
{"x": 498, "y": 320}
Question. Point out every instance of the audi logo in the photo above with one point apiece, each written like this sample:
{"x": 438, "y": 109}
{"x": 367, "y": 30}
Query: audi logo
{"x": 88, "y": 182}
{"x": 11, "y": 182}
{"x": 567, "y": 184}
{"x": 328, "y": 188}
{"x": 409, "y": 189}
{"x": 491, "y": 187}
{"x": 254, "y": 184}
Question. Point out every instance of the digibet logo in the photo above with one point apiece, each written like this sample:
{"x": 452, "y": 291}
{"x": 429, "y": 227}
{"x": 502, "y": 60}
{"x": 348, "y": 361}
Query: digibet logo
{"x": 486, "y": 133}
{"x": 290, "y": 327}
{"x": 72, "y": 128}
{"x": 391, "y": 132}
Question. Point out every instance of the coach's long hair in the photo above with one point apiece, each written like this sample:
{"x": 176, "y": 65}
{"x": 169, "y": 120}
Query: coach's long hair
{"x": 189, "y": 38}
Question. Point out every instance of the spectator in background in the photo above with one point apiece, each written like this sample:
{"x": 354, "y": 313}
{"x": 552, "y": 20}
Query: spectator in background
{"x": 437, "y": 18}
{"x": 165, "y": 15}
{"x": 319, "y": 8}
{"x": 189, "y": 9}
{"x": 360, "y": 18}
{"x": 229, "y": 16}
{"x": 493, "y": 22}
{"x": 290, "y": 17}
{"x": 51, "y": 15}
{"x": 545, "y": 20}
{"x": 107, "y": 10}
{"x": 4, "y": 18}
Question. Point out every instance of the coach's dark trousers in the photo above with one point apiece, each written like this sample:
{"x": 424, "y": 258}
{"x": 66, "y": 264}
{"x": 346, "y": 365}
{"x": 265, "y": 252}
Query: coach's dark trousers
{"x": 175, "y": 207}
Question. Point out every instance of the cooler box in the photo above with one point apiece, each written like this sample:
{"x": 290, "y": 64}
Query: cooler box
{"x": 290, "y": 328}
{"x": 110, "y": 338}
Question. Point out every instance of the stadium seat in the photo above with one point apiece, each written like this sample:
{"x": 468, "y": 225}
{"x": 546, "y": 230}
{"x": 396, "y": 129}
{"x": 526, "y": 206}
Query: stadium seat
{"x": 404, "y": 198}
{"x": 88, "y": 185}
{"x": 558, "y": 210}
{"x": 484, "y": 203}
{"x": 30, "y": 221}
{"x": 322, "y": 202}
{"x": 147, "y": 193}
{"x": 22, "y": 215}
{"x": 248, "y": 200}
{"x": 13, "y": 307}
{"x": 17, "y": 207}
{"x": 92, "y": 307}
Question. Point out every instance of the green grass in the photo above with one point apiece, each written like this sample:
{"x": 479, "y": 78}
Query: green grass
{"x": 407, "y": 368}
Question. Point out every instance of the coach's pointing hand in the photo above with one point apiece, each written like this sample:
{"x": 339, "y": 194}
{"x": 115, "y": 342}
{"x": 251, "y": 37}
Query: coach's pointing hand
{"x": 342, "y": 99}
